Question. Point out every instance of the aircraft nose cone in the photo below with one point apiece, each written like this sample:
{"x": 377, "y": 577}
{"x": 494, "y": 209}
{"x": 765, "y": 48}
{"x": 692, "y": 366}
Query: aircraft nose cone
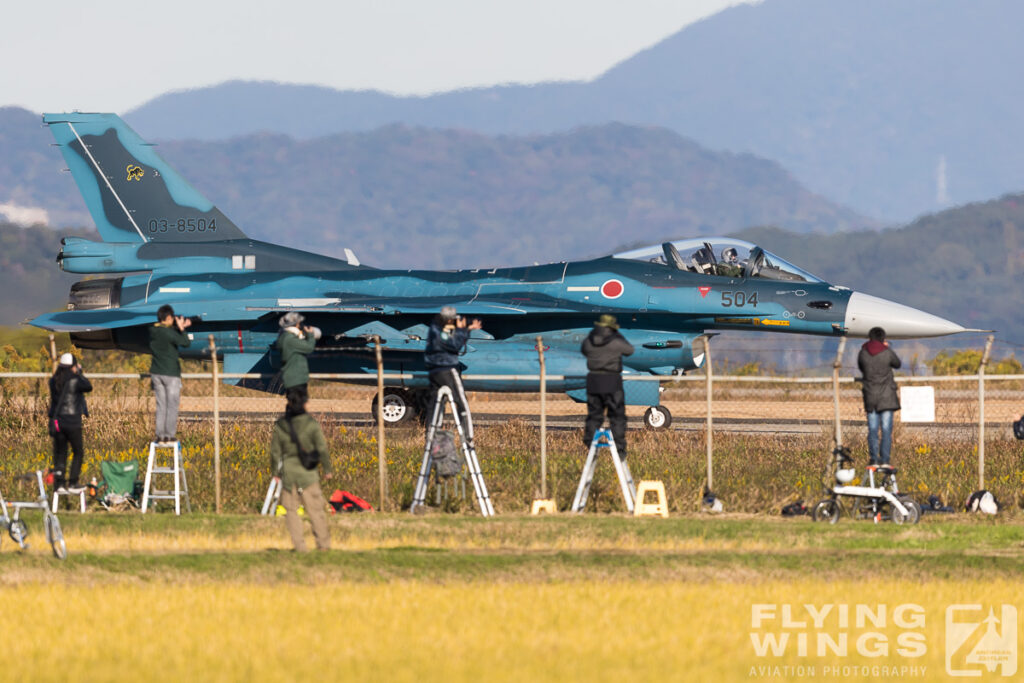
{"x": 865, "y": 311}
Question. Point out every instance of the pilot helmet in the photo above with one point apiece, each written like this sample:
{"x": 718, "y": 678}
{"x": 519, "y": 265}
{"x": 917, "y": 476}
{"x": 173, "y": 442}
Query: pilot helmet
{"x": 729, "y": 255}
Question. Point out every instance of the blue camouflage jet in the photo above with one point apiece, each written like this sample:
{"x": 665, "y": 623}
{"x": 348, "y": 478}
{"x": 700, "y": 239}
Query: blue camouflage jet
{"x": 173, "y": 246}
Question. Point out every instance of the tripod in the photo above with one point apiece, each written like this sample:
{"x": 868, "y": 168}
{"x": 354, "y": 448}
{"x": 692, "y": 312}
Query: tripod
{"x": 444, "y": 395}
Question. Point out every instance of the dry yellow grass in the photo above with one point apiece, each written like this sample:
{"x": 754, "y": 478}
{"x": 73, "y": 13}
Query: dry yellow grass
{"x": 421, "y": 631}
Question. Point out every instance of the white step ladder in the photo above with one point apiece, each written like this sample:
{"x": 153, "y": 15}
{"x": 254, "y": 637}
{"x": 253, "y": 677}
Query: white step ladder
{"x": 273, "y": 498}
{"x": 176, "y": 470}
{"x": 603, "y": 439}
{"x": 444, "y": 396}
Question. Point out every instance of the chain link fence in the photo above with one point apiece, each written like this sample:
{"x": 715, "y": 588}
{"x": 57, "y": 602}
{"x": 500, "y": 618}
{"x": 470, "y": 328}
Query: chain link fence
{"x": 763, "y": 427}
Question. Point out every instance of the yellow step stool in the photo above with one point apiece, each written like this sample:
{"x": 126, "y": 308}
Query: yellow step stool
{"x": 643, "y": 508}
{"x": 543, "y": 505}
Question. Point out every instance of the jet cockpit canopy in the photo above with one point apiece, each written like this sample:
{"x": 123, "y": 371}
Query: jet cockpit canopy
{"x": 722, "y": 256}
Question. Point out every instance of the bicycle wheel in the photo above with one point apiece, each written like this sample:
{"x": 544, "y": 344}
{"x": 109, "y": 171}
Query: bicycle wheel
{"x": 54, "y": 536}
{"x": 913, "y": 508}
{"x": 18, "y": 532}
{"x": 899, "y": 517}
{"x": 826, "y": 511}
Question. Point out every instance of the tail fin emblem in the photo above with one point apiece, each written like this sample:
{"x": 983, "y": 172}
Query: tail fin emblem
{"x": 135, "y": 172}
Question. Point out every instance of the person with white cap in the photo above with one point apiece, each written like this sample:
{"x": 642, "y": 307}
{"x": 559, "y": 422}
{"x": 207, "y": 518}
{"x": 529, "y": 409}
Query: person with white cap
{"x": 446, "y": 339}
{"x": 166, "y": 337}
{"x": 295, "y": 343}
{"x": 68, "y": 387}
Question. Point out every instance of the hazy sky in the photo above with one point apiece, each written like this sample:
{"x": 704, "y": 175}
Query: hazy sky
{"x": 105, "y": 55}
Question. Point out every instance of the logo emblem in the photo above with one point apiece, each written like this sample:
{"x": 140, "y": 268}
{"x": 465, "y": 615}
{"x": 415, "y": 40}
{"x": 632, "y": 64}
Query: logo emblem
{"x": 612, "y": 289}
{"x": 704, "y": 291}
{"x": 134, "y": 172}
{"x": 975, "y": 642}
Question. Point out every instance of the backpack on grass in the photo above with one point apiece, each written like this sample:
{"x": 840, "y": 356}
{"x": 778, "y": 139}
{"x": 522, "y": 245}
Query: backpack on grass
{"x": 445, "y": 455}
{"x": 343, "y": 501}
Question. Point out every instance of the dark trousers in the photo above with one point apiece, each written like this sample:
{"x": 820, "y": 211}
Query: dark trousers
{"x": 450, "y": 377}
{"x": 605, "y": 395}
{"x": 67, "y": 436}
{"x": 299, "y": 390}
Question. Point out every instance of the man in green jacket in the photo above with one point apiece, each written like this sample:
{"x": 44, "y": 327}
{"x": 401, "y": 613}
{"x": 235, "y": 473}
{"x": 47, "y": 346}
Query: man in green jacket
{"x": 295, "y": 343}
{"x": 165, "y": 338}
{"x": 300, "y": 486}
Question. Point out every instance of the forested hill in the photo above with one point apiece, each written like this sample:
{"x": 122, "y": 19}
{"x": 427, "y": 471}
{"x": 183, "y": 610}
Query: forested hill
{"x": 31, "y": 282}
{"x": 859, "y": 99}
{"x": 964, "y": 264}
{"x": 412, "y": 197}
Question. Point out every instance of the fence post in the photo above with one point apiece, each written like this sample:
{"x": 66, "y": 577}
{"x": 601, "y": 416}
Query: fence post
{"x": 837, "y": 365}
{"x": 382, "y": 463}
{"x": 707, "y": 389}
{"x": 543, "y": 420}
{"x": 53, "y": 352}
{"x": 981, "y": 411}
{"x": 216, "y": 426}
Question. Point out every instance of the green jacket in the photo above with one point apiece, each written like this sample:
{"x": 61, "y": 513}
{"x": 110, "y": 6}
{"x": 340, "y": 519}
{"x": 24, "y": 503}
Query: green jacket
{"x": 284, "y": 456}
{"x": 164, "y": 342}
{"x": 294, "y": 367}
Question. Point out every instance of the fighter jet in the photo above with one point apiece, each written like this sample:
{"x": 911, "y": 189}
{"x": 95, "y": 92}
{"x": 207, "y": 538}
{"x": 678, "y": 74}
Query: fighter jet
{"x": 165, "y": 243}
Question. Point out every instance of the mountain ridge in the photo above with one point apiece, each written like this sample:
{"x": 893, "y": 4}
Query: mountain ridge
{"x": 861, "y": 101}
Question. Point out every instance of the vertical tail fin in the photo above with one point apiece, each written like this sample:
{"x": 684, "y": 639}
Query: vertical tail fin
{"x": 132, "y": 193}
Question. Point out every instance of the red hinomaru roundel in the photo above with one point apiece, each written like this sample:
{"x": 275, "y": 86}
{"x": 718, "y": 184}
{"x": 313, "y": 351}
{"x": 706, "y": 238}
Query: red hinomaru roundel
{"x": 612, "y": 289}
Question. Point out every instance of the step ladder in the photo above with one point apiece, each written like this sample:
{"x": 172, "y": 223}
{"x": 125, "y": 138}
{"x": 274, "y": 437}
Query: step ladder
{"x": 603, "y": 439}
{"x": 176, "y": 470}
{"x": 81, "y": 498}
{"x": 273, "y": 497}
{"x": 444, "y": 397}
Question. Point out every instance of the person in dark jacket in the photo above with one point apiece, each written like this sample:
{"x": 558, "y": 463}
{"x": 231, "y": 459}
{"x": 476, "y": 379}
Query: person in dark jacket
{"x": 300, "y": 486}
{"x": 604, "y": 348}
{"x": 295, "y": 342}
{"x": 68, "y": 387}
{"x": 446, "y": 339}
{"x": 876, "y": 362}
{"x": 166, "y": 337}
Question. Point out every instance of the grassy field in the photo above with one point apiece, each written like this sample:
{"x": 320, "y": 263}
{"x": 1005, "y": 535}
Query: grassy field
{"x": 454, "y": 597}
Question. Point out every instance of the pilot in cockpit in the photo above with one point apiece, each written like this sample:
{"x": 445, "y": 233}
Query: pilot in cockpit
{"x": 729, "y": 265}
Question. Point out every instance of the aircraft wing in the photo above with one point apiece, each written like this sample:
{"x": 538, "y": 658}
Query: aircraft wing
{"x": 114, "y": 318}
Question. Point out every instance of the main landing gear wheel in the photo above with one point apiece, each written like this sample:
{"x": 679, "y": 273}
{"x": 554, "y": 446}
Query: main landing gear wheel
{"x": 657, "y": 417}
{"x": 826, "y": 511}
{"x": 399, "y": 407}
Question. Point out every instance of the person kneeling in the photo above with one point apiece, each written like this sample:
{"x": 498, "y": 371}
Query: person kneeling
{"x": 297, "y": 448}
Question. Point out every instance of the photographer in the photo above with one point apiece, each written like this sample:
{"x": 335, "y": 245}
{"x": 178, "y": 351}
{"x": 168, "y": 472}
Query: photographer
{"x": 295, "y": 343}
{"x": 68, "y": 387}
{"x": 166, "y": 337}
{"x": 876, "y": 362}
{"x": 299, "y": 485}
{"x": 604, "y": 348}
{"x": 447, "y": 338}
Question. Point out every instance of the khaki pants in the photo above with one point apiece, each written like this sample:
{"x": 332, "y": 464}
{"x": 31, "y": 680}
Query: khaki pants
{"x": 311, "y": 498}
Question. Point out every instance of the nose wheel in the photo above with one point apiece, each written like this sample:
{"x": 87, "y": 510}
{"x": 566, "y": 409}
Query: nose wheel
{"x": 657, "y": 417}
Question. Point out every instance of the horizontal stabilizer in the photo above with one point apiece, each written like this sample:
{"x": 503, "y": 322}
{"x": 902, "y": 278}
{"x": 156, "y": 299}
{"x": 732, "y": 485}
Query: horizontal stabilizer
{"x": 250, "y": 364}
{"x": 102, "y": 319}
